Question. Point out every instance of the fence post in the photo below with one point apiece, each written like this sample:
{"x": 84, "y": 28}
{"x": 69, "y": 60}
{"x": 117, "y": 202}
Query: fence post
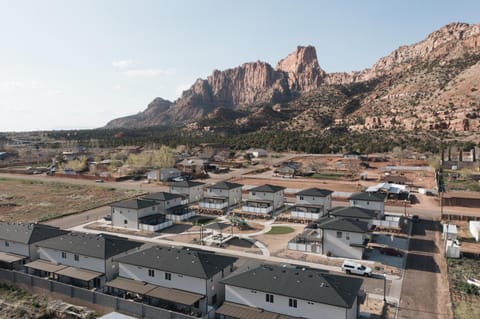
{"x": 71, "y": 291}
{"x": 116, "y": 303}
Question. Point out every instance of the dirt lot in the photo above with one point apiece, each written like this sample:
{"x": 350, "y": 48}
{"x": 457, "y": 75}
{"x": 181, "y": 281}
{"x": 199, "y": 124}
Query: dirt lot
{"x": 466, "y": 299}
{"x": 29, "y": 201}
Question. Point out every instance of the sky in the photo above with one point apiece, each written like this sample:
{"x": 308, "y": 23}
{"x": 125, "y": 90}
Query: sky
{"x": 79, "y": 64}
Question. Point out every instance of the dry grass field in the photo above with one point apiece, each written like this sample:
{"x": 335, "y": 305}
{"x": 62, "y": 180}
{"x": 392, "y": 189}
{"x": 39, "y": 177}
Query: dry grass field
{"x": 35, "y": 201}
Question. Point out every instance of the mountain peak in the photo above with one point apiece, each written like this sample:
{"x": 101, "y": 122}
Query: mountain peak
{"x": 304, "y": 72}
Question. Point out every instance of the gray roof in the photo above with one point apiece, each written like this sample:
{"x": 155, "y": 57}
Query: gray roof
{"x": 344, "y": 224}
{"x": 306, "y": 284}
{"x": 134, "y": 203}
{"x": 372, "y": 197}
{"x": 161, "y": 196}
{"x": 353, "y": 212}
{"x": 186, "y": 184}
{"x": 183, "y": 261}
{"x": 101, "y": 246}
{"x": 315, "y": 192}
{"x": 225, "y": 185}
{"x": 267, "y": 188}
{"x": 28, "y": 233}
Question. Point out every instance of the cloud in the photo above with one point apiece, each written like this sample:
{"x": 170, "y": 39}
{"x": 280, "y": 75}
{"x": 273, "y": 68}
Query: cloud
{"x": 122, "y": 64}
{"x": 147, "y": 72}
{"x": 9, "y": 85}
{"x": 116, "y": 87}
{"x": 53, "y": 92}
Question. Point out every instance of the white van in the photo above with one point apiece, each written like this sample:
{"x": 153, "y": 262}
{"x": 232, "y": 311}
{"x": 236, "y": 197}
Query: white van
{"x": 351, "y": 267}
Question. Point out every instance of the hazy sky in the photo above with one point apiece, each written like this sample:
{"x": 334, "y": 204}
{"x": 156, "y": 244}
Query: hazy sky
{"x": 79, "y": 64}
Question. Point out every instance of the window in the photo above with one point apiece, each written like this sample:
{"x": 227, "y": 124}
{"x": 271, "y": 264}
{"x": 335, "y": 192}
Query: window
{"x": 214, "y": 299}
{"x": 125, "y": 221}
{"x": 292, "y": 303}
{"x": 347, "y": 236}
{"x": 368, "y": 203}
{"x": 64, "y": 255}
{"x": 75, "y": 257}
{"x": 301, "y": 197}
{"x": 339, "y": 234}
{"x": 269, "y": 298}
{"x": 196, "y": 304}
{"x": 151, "y": 273}
{"x": 253, "y": 193}
{"x": 168, "y": 276}
{"x": 7, "y": 244}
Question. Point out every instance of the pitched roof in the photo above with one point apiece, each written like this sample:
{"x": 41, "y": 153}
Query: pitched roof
{"x": 161, "y": 196}
{"x": 134, "y": 203}
{"x": 306, "y": 284}
{"x": 344, "y": 224}
{"x": 315, "y": 192}
{"x": 101, "y": 246}
{"x": 353, "y": 212}
{"x": 186, "y": 184}
{"x": 368, "y": 196}
{"x": 28, "y": 233}
{"x": 225, "y": 185}
{"x": 267, "y": 188}
{"x": 183, "y": 261}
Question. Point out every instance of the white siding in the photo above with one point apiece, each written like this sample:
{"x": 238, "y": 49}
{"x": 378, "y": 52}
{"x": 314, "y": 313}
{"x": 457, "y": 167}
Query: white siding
{"x": 119, "y": 215}
{"x": 85, "y": 262}
{"x": 280, "y": 304}
{"x": 194, "y": 193}
{"x": 14, "y": 247}
{"x": 182, "y": 282}
{"x": 326, "y": 202}
{"x": 379, "y": 207}
{"x": 234, "y": 195}
{"x": 340, "y": 247}
{"x": 276, "y": 198}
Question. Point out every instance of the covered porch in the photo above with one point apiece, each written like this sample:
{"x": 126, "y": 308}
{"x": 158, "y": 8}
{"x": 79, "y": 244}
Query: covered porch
{"x": 11, "y": 261}
{"x": 312, "y": 212}
{"x": 230, "y": 310}
{"x": 154, "y": 222}
{"x": 257, "y": 206}
{"x": 211, "y": 202}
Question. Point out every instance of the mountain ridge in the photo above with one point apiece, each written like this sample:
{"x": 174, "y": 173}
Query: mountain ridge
{"x": 431, "y": 84}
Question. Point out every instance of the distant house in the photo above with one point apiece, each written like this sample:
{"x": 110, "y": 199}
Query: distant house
{"x": 369, "y": 200}
{"x": 287, "y": 293}
{"x": 163, "y": 174}
{"x": 192, "y": 190}
{"x": 176, "y": 277}
{"x": 265, "y": 199}
{"x": 395, "y": 179}
{"x": 337, "y": 236}
{"x": 222, "y": 195}
{"x": 352, "y": 155}
{"x": 312, "y": 203}
{"x": 192, "y": 166}
{"x": 17, "y": 242}
{"x": 80, "y": 259}
{"x": 285, "y": 171}
{"x": 257, "y": 152}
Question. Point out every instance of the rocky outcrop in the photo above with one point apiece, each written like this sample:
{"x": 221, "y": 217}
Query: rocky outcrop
{"x": 301, "y": 66}
{"x": 155, "y": 114}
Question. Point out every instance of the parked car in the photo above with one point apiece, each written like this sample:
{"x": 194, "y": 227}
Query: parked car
{"x": 351, "y": 267}
{"x": 391, "y": 251}
{"x": 108, "y": 217}
{"x": 99, "y": 181}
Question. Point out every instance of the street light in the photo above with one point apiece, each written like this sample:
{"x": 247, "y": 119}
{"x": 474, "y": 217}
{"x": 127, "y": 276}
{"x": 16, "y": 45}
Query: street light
{"x": 384, "y": 287}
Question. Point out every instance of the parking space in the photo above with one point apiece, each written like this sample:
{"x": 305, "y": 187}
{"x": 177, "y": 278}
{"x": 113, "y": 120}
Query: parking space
{"x": 400, "y": 243}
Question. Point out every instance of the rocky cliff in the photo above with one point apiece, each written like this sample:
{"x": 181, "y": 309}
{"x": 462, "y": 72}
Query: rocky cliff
{"x": 431, "y": 85}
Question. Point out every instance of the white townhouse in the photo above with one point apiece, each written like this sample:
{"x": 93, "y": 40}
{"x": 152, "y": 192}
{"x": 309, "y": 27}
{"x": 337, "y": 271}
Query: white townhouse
{"x": 353, "y": 212}
{"x": 80, "y": 259}
{"x": 222, "y": 195}
{"x": 130, "y": 213}
{"x": 369, "y": 200}
{"x": 264, "y": 199}
{"x": 283, "y": 292}
{"x": 17, "y": 242}
{"x": 312, "y": 203}
{"x": 334, "y": 236}
{"x": 191, "y": 189}
{"x": 185, "y": 280}
{"x": 172, "y": 206}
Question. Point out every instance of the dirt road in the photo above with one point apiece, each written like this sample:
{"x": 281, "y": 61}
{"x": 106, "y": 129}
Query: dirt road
{"x": 425, "y": 291}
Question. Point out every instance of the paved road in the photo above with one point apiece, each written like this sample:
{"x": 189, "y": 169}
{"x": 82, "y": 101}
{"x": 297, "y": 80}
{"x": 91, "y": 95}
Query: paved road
{"x": 425, "y": 292}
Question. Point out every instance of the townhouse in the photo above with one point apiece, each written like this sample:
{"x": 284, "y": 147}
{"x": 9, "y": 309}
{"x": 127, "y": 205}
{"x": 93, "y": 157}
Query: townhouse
{"x": 264, "y": 199}
{"x": 221, "y": 196}
{"x": 192, "y": 190}
{"x": 180, "y": 278}
{"x": 282, "y": 292}
{"x": 17, "y": 242}
{"x": 369, "y": 200}
{"x": 312, "y": 203}
{"x": 80, "y": 259}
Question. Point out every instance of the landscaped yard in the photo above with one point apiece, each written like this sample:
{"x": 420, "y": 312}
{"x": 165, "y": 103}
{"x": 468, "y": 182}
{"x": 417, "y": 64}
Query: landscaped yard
{"x": 280, "y": 230}
{"x": 466, "y": 297}
{"x": 35, "y": 201}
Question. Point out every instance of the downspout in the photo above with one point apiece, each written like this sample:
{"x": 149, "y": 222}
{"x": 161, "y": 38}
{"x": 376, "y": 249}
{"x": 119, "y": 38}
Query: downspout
{"x": 206, "y": 296}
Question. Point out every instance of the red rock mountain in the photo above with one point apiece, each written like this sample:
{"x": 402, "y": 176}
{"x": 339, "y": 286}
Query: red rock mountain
{"x": 432, "y": 84}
